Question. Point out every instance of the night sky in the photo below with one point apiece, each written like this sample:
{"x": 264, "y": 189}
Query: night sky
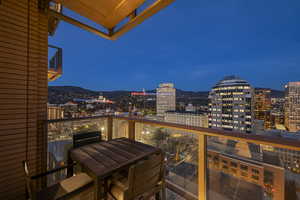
{"x": 192, "y": 43}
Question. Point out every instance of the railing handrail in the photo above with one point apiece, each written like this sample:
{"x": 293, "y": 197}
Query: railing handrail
{"x": 278, "y": 142}
{"x": 76, "y": 119}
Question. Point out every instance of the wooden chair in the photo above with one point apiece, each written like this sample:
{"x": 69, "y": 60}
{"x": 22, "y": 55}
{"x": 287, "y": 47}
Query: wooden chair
{"x": 81, "y": 139}
{"x": 145, "y": 179}
{"x": 76, "y": 187}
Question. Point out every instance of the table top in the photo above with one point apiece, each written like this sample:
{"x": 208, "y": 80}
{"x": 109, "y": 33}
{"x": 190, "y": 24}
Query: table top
{"x": 104, "y": 158}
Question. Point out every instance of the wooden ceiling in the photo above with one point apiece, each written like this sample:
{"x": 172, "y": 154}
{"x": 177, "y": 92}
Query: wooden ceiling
{"x": 108, "y": 13}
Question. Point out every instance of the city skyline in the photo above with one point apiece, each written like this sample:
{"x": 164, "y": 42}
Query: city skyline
{"x": 251, "y": 40}
{"x": 154, "y": 88}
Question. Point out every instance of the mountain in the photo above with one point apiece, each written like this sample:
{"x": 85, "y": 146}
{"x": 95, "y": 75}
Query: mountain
{"x": 63, "y": 94}
{"x": 277, "y": 93}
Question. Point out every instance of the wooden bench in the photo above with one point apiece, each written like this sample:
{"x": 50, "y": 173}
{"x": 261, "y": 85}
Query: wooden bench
{"x": 79, "y": 186}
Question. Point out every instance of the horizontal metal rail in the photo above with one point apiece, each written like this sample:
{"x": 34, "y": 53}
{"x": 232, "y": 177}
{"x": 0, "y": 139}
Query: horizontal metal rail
{"x": 180, "y": 191}
{"x": 278, "y": 142}
{"x": 77, "y": 119}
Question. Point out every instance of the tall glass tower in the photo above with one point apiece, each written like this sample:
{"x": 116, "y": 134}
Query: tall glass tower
{"x": 231, "y": 105}
{"x": 292, "y": 106}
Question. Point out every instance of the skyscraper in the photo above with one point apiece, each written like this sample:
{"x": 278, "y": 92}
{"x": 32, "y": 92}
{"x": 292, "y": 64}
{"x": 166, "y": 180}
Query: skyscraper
{"x": 292, "y": 106}
{"x": 231, "y": 105}
{"x": 262, "y": 106}
{"x": 165, "y": 98}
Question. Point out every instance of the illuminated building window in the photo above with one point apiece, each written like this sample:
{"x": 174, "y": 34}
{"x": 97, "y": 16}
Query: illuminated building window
{"x": 233, "y": 164}
{"x": 255, "y": 177}
{"x": 244, "y": 174}
{"x": 244, "y": 167}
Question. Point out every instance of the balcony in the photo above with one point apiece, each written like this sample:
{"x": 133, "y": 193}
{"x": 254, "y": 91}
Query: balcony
{"x": 55, "y": 64}
{"x": 201, "y": 163}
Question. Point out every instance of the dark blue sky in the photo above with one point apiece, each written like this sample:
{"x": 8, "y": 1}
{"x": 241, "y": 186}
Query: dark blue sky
{"x": 192, "y": 43}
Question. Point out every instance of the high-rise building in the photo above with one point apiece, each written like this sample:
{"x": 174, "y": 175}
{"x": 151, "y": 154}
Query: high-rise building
{"x": 263, "y": 106}
{"x": 165, "y": 98}
{"x": 231, "y": 105}
{"x": 277, "y": 113}
{"x": 292, "y": 106}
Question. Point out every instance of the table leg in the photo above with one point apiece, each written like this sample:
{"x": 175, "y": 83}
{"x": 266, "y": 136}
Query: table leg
{"x": 100, "y": 189}
{"x": 105, "y": 189}
{"x": 70, "y": 170}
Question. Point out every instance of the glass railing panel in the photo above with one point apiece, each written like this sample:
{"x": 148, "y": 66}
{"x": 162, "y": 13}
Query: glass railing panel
{"x": 60, "y": 140}
{"x": 181, "y": 149}
{"x": 120, "y": 128}
{"x": 173, "y": 195}
{"x": 247, "y": 171}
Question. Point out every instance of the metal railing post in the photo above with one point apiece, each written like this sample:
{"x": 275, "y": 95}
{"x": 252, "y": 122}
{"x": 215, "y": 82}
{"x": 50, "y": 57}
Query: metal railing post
{"x": 202, "y": 176}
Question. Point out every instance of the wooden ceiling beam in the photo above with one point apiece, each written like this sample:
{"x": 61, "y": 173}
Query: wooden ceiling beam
{"x": 113, "y": 33}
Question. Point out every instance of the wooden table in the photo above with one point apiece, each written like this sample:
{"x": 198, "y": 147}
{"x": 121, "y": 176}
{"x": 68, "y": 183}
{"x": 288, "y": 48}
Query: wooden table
{"x": 101, "y": 160}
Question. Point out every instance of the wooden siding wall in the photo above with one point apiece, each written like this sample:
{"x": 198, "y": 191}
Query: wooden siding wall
{"x": 23, "y": 93}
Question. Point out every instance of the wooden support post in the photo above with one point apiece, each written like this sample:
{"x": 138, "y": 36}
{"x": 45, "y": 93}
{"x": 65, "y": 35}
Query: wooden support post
{"x": 109, "y": 128}
{"x": 202, "y": 168}
{"x": 131, "y": 129}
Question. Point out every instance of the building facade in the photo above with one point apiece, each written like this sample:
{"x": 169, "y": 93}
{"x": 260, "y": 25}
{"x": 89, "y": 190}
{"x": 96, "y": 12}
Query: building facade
{"x": 165, "y": 98}
{"x": 292, "y": 106}
{"x": 55, "y": 112}
{"x": 263, "y": 106}
{"x": 190, "y": 108}
{"x": 270, "y": 178}
{"x": 187, "y": 118}
{"x": 230, "y": 105}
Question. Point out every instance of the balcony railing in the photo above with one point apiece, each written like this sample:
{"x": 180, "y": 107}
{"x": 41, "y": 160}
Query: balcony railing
{"x": 201, "y": 163}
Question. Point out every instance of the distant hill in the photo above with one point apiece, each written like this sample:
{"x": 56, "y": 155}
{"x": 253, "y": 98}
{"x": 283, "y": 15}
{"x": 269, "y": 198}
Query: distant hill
{"x": 275, "y": 93}
{"x": 63, "y": 94}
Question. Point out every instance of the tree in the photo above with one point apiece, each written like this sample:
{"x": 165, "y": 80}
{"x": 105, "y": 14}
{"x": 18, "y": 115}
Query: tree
{"x": 159, "y": 136}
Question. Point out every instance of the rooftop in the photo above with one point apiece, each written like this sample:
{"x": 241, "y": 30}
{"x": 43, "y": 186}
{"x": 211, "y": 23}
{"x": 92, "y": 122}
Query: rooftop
{"x": 232, "y": 81}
